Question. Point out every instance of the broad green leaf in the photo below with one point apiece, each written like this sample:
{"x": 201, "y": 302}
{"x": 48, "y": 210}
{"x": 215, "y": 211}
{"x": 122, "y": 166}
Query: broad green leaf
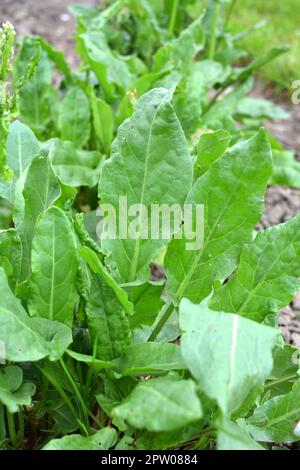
{"x": 285, "y": 370}
{"x": 286, "y": 169}
{"x": 103, "y": 121}
{"x": 10, "y": 251}
{"x": 21, "y": 147}
{"x": 220, "y": 110}
{"x": 75, "y": 118}
{"x": 107, "y": 320}
{"x": 108, "y": 66}
{"x": 90, "y": 360}
{"x": 148, "y": 145}
{"x": 267, "y": 275}
{"x": 13, "y": 392}
{"x": 180, "y": 52}
{"x": 149, "y": 358}
{"x": 168, "y": 440}
{"x": 57, "y": 57}
{"x": 232, "y": 437}
{"x": 211, "y": 146}
{"x": 54, "y": 266}
{"x": 232, "y": 209}
{"x": 243, "y": 73}
{"x": 259, "y": 108}
{"x": 101, "y": 440}
{"x": 25, "y": 338}
{"x": 36, "y": 192}
{"x": 147, "y": 302}
{"x": 97, "y": 267}
{"x": 33, "y": 99}
{"x": 7, "y": 191}
{"x": 75, "y": 167}
{"x": 163, "y": 404}
{"x": 277, "y": 418}
{"x": 228, "y": 355}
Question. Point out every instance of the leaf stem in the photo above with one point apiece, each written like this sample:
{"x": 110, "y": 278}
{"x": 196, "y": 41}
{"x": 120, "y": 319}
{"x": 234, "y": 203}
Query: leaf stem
{"x": 214, "y": 32}
{"x": 229, "y": 14}
{"x": 77, "y": 392}
{"x": 12, "y": 429}
{"x": 166, "y": 312}
{"x": 173, "y": 18}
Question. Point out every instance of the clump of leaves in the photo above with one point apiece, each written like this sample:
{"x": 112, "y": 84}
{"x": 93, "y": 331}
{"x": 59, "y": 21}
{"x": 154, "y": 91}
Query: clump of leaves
{"x": 101, "y": 355}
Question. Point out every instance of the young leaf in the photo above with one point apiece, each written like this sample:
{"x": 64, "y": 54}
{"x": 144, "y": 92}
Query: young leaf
{"x": 147, "y": 302}
{"x": 232, "y": 437}
{"x": 21, "y": 147}
{"x": 286, "y": 169}
{"x": 13, "y": 393}
{"x": 211, "y": 146}
{"x": 228, "y": 355}
{"x": 54, "y": 266}
{"x": 276, "y": 419}
{"x": 232, "y": 210}
{"x": 101, "y": 440}
{"x": 90, "y": 360}
{"x": 107, "y": 321}
{"x": 142, "y": 152}
{"x": 149, "y": 358}
{"x": 92, "y": 259}
{"x": 103, "y": 121}
{"x": 35, "y": 192}
{"x": 33, "y": 102}
{"x": 75, "y": 118}
{"x": 107, "y": 65}
{"x": 267, "y": 276}
{"x": 163, "y": 404}
{"x": 25, "y": 338}
{"x": 75, "y": 167}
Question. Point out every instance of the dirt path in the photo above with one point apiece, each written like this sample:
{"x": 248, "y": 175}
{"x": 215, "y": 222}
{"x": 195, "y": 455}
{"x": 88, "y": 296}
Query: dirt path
{"x": 51, "y": 19}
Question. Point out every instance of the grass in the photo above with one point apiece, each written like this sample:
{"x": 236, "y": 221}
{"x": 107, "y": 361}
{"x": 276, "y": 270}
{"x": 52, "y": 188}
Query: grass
{"x": 283, "y": 27}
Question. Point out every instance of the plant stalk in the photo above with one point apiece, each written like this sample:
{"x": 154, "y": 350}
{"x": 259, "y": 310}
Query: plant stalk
{"x": 166, "y": 313}
{"x": 214, "y": 32}
{"x": 173, "y": 18}
{"x": 12, "y": 429}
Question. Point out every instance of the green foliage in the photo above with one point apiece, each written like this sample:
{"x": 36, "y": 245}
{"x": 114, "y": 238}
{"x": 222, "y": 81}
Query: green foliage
{"x": 102, "y": 355}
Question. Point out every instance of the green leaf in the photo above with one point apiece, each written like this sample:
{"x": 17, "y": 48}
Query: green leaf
{"x": 75, "y": 118}
{"x": 267, "y": 275}
{"x": 216, "y": 115}
{"x": 180, "y": 52}
{"x": 75, "y": 167}
{"x": 228, "y": 355}
{"x": 211, "y": 146}
{"x": 21, "y": 147}
{"x": 101, "y": 440}
{"x": 286, "y": 169}
{"x": 147, "y": 302}
{"x": 232, "y": 437}
{"x": 232, "y": 209}
{"x": 92, "y": 259}
{"x": 90, "y": 360}
{"x": 13, "y": 393}
{"x": 285, "y": 371}
{"x": 163, "y": 404}
{"x": 276, "y": 419}
{"x": 107, "y": 320}
{"x": 149, "y": 358}
{"x": 25, "y": 338}
{"x": 10, "y": 249}
{"x": 103, "y": 121}
{"x": 108, "y": 66}
{"x": 54, "y": 267}
{"x": 35, "y": 193}
{"x": 259, "y": 108}
{"x": 33, "y": 97}
{"x": 143, "y": 152}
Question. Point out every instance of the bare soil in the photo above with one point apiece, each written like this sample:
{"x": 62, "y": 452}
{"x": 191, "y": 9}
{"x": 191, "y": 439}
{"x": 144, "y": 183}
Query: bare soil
{"x": 51, "y": 19}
